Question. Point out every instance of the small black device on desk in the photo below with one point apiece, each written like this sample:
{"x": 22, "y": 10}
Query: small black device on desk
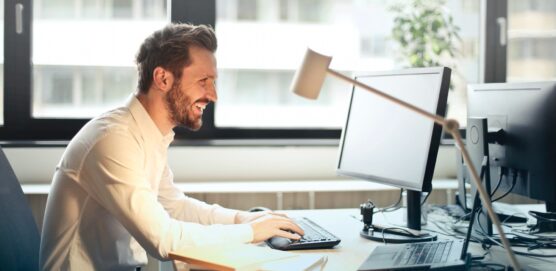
{"x": 315, "y": 237}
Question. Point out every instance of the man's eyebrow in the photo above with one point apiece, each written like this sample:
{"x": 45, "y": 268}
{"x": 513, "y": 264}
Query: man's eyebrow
{"x": 208, "y": 76}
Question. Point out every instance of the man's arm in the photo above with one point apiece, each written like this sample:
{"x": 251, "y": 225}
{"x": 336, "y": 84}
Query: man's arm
{"x": 264, "y": 224}
{"x": 189, "y": 209}
{"x": 113, "y": 175}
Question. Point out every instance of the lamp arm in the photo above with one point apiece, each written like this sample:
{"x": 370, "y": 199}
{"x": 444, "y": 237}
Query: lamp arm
{"x": 452, "y": 127}
{"x": 438, "y": 119}
{"x": 484, "y": 197}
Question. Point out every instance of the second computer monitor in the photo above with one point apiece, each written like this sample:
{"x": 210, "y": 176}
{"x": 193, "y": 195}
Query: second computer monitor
{"x": 525, "y": 113}
{"x": 386, "y": 143}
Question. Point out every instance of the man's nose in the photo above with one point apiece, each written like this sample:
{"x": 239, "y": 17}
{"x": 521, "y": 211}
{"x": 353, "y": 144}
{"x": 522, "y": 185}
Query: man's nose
{"x": 212, "y": 95}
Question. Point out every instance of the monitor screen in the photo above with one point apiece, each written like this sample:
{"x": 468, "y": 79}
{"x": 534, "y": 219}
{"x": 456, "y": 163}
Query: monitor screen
{"x": 387, "y": 143}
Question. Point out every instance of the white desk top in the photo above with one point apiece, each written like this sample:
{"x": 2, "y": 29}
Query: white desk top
{"x": 353, "y": 249}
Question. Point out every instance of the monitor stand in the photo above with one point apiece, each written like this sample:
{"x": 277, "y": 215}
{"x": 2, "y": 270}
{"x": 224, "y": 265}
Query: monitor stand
{"x": 396, "y": 234}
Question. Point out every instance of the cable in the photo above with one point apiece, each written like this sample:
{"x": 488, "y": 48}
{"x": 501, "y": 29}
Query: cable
{"x": 537, "y": 216}
{"x": 441, "y": 230}
{"x": 393, "y": 207}
{"x": 500, "y": 177}
{"x": 514, "y": 181}
{"x": 528, "y": 254}
{"x": 393, "y": 228}
{"x": 463, "y": 217}
{"x": 517, "y": 241}
{"x": 425, "y": 199}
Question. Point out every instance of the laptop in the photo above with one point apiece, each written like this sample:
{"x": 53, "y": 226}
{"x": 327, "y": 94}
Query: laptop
{"x": 434, "y": 255}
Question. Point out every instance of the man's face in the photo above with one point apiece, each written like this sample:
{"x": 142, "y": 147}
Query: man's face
{"x": 191, "y": 93}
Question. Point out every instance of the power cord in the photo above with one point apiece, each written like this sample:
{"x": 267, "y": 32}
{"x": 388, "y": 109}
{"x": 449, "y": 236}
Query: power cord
{"x": 501, "y": 173}
{"x": 518, "y": 241}
{"x": 392, "y": 207}
{"x": 514, "y": 181}
{"x": 538, "y": 216}
{"x": 425, "y": 199}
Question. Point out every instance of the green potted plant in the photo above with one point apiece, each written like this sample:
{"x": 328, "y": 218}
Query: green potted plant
{"x": 425, "y": 32}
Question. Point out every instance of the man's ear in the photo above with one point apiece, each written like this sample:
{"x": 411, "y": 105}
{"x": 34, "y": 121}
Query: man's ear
{"x": 163, "y": 79}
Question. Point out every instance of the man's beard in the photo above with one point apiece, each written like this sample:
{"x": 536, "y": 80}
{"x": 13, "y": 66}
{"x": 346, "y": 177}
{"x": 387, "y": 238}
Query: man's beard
{"x": 179, "y": 108}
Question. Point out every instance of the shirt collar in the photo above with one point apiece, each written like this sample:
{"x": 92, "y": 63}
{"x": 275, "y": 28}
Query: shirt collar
{"x": 146, "y": 123}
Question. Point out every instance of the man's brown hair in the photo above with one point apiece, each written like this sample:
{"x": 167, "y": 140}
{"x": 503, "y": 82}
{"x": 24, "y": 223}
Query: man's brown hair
{"x": 169, "y": 48}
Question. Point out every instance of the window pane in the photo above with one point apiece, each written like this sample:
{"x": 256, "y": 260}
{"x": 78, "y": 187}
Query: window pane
{"x": 532, "y": 39}
{"x": 261, "y": 43}
{"x": 84, "y": 50}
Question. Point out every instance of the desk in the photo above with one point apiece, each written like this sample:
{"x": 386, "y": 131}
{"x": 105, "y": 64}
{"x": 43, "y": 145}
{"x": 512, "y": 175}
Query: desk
{"x": 353, "y": 249}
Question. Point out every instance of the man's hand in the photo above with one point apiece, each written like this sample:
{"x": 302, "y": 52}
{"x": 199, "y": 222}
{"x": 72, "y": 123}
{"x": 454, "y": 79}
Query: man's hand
{"x": 271, "y": 225}
{"x": 243, "y": 217}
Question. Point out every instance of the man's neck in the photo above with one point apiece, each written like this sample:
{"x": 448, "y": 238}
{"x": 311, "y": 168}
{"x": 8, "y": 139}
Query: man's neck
{"x": 157, "y": 110}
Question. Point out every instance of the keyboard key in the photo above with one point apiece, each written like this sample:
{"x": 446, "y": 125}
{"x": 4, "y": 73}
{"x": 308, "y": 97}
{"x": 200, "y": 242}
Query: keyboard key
{"x": 431, "y": 254}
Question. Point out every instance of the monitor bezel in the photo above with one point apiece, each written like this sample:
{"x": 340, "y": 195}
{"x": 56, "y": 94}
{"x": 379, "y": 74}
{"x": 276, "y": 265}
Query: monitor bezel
{"x": 434, "y": 144}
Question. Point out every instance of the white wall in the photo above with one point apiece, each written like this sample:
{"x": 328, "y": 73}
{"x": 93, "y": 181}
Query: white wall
{"x": 194, "y": 164}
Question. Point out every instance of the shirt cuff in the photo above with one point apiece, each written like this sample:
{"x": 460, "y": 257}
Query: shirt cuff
{"x": 224, "y": 215}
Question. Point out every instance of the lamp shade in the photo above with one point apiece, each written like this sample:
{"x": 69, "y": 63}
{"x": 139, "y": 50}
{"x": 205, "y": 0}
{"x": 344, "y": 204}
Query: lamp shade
{"x": 309, "y": 78}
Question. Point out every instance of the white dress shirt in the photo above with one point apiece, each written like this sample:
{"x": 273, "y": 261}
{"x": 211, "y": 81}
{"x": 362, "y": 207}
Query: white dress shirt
{"x": 113, "y": 200}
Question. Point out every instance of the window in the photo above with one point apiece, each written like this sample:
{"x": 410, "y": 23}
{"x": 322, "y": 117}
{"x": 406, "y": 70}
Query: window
{"x": 532, "y": 39}
{"x": 82, "y": 55}
{"x": 258, "y": 54}
{"x": 82, "y": 67}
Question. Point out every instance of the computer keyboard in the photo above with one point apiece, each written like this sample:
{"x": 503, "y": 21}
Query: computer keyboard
{"x": 315, "y": 237}
{"x": 424, "y": 253}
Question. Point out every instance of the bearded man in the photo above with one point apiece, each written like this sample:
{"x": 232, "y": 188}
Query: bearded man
{"x": 113, "y": 198}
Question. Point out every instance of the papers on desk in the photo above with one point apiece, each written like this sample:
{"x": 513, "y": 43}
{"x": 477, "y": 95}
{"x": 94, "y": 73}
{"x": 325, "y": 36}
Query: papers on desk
{"x": 244, "y": 257}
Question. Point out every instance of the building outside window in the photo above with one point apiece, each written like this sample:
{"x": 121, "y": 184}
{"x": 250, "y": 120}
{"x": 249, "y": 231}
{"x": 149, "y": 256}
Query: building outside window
{"x": 532, "y": 39}
{"x": 261, "y": 42}
{"x": 83, "y": 53}
{"x": 83, "y": 59}
{"x": 83, "y": 56}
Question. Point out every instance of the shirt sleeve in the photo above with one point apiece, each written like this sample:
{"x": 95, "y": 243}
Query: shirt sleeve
{"x": 189, "y": 209}
{"x": 115, "y": 178}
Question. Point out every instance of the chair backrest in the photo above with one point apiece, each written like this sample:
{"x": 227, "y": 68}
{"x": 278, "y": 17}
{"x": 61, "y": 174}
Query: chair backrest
{"x": 19, "y": 235}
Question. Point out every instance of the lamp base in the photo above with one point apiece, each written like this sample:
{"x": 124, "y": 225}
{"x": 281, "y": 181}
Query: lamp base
{"x": 389, "y": 237}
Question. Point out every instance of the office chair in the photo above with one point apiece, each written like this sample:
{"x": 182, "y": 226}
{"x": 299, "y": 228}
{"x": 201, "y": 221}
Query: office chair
{"x": 19, "y": 235}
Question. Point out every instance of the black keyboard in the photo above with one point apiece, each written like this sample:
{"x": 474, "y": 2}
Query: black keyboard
{"x": 424, "y": 253}
{"x": 315, "y": 237}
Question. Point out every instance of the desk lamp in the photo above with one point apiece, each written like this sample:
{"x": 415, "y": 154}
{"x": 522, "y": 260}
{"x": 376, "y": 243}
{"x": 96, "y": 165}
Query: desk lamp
{"x": 308, "y": 81}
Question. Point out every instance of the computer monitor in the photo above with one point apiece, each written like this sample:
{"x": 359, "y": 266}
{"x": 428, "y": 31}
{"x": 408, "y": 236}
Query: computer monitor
{"x": 526, "y": 147}
{"x": 386, "y": 143}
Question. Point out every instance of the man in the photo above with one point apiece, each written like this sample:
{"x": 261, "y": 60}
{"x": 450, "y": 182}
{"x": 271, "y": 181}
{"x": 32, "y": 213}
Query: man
{"x": 113, "y": 199}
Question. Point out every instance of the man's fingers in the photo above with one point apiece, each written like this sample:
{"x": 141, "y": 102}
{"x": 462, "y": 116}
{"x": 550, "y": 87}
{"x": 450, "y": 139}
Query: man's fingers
{"x": 287, "y": 234}
{"x": 291, "y": 226}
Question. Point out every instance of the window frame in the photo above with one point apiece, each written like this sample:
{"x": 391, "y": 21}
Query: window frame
{"x": 20, "y": 126}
